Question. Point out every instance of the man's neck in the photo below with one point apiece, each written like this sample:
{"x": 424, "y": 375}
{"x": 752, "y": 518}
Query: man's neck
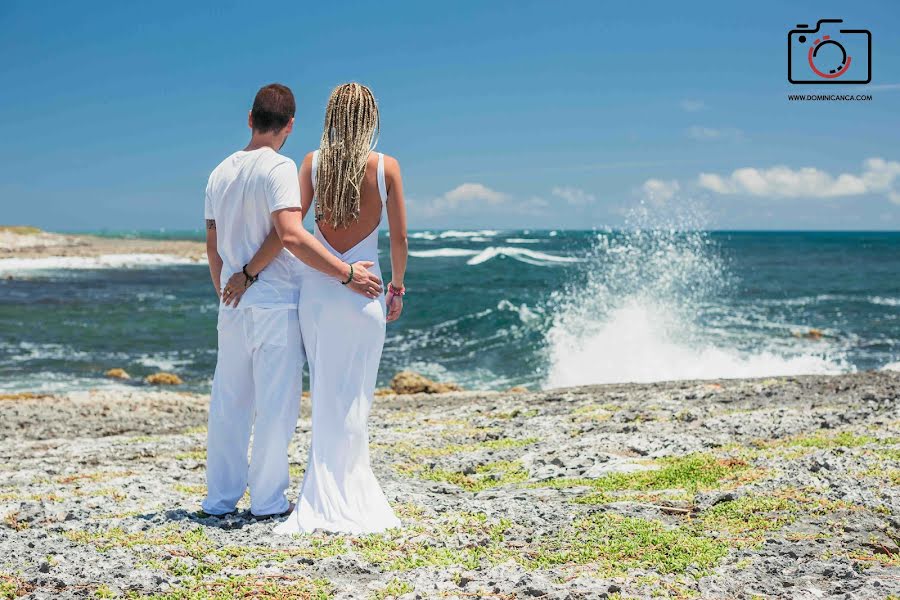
{"x": 258, "y": 141}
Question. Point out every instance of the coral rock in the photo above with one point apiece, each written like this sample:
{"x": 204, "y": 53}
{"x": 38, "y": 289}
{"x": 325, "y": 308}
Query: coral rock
{"x": 118, "y": 374}
{"x": 163, "y": 378}
{"x": 407, "y": 382}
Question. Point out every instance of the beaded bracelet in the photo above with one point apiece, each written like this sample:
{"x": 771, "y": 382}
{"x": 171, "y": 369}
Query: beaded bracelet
{"x": 395, "y": 291}
{"x": 350, "y": 278}
{"x": 249, "y": 279}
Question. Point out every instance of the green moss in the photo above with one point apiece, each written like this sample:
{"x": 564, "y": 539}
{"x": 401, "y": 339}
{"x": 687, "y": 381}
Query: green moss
{"x": 104, "y": 592}
{"x": 12, "y": 587}
{"x": 198, "y": 455}
{"x": 190, "y": 490}
{"x": 393, "y": 589}
{"x": 489, "y": 475}
{"x": 275, "y": 587}
{"x": 831, "y": 440}
{"x": 691, "y": 472}
{"x": 414, "y": 451}
{"x": 747, "y": 520}
{"x": 617, "y": 544}
{"x": 20, "y": 229}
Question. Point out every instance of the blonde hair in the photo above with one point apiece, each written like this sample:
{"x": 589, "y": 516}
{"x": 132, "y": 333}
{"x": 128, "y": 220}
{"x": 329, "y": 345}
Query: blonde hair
{"x": 351, "y": 132}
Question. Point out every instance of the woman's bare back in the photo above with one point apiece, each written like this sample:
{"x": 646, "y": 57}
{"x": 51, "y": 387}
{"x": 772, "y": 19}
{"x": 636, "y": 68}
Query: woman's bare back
{"x": 370, "y": 208}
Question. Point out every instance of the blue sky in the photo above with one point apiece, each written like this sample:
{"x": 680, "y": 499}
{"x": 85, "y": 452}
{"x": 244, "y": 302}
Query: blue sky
{"x": 502, "y": 114}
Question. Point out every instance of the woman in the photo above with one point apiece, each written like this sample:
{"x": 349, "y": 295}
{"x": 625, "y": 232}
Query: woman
{"x": 343, "y": 332}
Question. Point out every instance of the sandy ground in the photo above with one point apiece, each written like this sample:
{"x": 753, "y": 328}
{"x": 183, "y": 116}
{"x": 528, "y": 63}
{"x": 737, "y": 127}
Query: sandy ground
{"x": 767, "y": 488}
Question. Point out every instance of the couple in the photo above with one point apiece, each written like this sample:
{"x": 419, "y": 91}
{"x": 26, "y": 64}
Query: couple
{"x": 296, "y": 296}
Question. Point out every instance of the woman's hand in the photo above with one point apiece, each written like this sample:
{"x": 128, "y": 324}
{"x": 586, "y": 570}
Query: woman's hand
{"x": 394, "y": 303}
{"x": 234, "y": 289}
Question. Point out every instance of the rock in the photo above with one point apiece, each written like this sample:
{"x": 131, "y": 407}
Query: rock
{"x": 163, "y": 378}
{"x": 118, "y": 374}
{"x": 407, "y": 382}
{"x": 518, "y": 389}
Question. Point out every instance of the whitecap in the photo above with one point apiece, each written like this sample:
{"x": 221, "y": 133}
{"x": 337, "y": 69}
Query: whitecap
{"x": 443, "y": 253}
{"x": 104, "y": 261}
{"x": 531, "y": 257}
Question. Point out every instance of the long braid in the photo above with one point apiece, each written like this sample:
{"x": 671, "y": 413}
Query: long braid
{"x": 351, "y": 132}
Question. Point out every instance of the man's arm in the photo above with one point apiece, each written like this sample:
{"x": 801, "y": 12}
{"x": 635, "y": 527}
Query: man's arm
{"x": 212, "y": 256}
{"x": 307, "y": 248}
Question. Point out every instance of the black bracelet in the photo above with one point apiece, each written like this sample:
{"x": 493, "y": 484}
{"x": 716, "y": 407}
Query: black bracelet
{"x": 250, "y": 279}
{"x": 349, "y": 279}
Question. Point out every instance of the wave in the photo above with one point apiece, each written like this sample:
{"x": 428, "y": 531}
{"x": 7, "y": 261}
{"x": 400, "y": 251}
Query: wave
{"x": 451, "y": 233}
{"x": 524, "y": 255}
{"x": 894, "y": 366}
{"x": 653, "y": 304}
{"x": 645, "y": 342}
{"x": 522, "y": 241}
{"x": 105, "y": 261}
{"x": 443, "y": 253}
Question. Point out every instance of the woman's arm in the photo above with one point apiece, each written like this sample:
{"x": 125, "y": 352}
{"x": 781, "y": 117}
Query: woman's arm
{"x": 396, "y": 211}
{"x": 237, "y": 283}
{"x": 212, "y": 256}
{"x": 272, "y": 244}
{"x": 306, "y": 188}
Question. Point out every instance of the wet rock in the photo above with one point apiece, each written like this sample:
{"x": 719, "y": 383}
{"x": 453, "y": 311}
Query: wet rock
{"x": 163, "y": 378}
{"x": 408, "y": 382}
{"x": 118, "y": 374}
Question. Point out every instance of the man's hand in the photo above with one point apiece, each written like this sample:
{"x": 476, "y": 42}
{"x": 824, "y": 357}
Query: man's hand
{"x": 234, "y": 289}
{"x": 363, "y": 282}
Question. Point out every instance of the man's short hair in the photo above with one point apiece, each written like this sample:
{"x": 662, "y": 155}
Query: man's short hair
{"x": 273, "y": 108}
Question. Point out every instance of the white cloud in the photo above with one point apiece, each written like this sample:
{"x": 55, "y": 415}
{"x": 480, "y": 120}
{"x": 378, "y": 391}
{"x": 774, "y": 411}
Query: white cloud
{"x": 464, "y": 197}
{"x": 660, "y": 190}
{"x": 689, "y": 105}
{"x": 878, "y": 176}
{"x": 574, "y": 196}
{"x": 701, "y": 133}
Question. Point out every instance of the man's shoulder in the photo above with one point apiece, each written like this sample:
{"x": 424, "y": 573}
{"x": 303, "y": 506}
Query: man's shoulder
{"x": 270, "y": 160}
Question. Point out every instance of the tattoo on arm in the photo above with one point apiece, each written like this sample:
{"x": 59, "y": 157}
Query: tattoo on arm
{"x": 210, "y": 223}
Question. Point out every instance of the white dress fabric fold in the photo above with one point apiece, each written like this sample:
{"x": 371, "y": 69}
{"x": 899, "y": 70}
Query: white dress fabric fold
{"x": 343, "y": 335}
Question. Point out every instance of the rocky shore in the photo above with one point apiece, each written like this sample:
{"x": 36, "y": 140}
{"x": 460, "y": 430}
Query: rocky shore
{"x": 30, "y": 243}
{"x": 769, "y": 488}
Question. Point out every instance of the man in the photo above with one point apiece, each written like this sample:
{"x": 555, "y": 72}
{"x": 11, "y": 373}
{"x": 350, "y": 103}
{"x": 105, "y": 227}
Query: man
{"x": 257, "y": 383}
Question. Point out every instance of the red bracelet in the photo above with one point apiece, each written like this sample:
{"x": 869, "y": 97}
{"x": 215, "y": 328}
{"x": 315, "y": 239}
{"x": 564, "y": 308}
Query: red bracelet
{"x": 395, "y": 291}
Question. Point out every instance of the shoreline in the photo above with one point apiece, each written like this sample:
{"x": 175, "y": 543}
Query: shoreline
{"x": 782, "y": 487}
{"x": 30, "y": 243}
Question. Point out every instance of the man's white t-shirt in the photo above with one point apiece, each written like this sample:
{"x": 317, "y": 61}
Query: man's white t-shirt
{"x": 242, "y": 193}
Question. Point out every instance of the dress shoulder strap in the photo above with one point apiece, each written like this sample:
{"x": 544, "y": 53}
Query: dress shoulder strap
{"x": 382, "y": 186}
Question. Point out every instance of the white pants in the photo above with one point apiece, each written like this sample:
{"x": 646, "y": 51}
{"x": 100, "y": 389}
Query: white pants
{"x": 257, "y": 386}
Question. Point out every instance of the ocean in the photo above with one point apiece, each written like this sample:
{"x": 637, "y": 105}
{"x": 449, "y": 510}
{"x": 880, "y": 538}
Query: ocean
{"x": 491, "y": 309}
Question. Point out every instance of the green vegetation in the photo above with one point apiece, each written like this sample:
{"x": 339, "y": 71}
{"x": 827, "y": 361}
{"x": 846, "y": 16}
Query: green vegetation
{"x": 618, "y": 544}
{"x": 394, "y": 589}
{"x": 415, "y": 451}
{"x": 690, "y": 473}
{"x": 20, "y": 229}
{"x": 274, "y": 587}
{"x": 488, "y": 475}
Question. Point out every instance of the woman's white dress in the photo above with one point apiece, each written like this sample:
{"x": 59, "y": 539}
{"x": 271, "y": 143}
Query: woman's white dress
{"x": 343, "y": 335}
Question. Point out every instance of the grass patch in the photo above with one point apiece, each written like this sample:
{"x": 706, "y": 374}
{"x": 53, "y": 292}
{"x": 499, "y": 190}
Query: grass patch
{"x": 747, "y": 520}
{"x": 486, "y": 476}
{"x": 690, "y": 473}
{"x": 394, "y": 589}
{"x": 619, "y": 544}
{"x": 272, "y": 587}
{"x": 190, "y": 490}
{"x": 12, "y": 587}
{"x": 196, "y": 555}
{"x": 414, "y": 451}
{"x": 198, "y": 455}
{"x": 94, "y": 477}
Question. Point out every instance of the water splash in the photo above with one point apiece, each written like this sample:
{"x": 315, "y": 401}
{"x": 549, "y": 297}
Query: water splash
{"x": 649, "y": 308}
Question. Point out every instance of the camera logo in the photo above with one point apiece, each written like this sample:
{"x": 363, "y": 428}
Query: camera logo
{"x": 828, "y": 54}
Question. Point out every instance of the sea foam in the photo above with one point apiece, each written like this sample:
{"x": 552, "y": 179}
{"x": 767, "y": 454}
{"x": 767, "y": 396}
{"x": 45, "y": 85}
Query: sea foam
{"x": 105, "y": 261}
{"x": 641, "y": 312}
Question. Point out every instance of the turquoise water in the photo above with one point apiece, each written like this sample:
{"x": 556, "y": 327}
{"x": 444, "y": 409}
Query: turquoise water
{"x": 492, "y": 309}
